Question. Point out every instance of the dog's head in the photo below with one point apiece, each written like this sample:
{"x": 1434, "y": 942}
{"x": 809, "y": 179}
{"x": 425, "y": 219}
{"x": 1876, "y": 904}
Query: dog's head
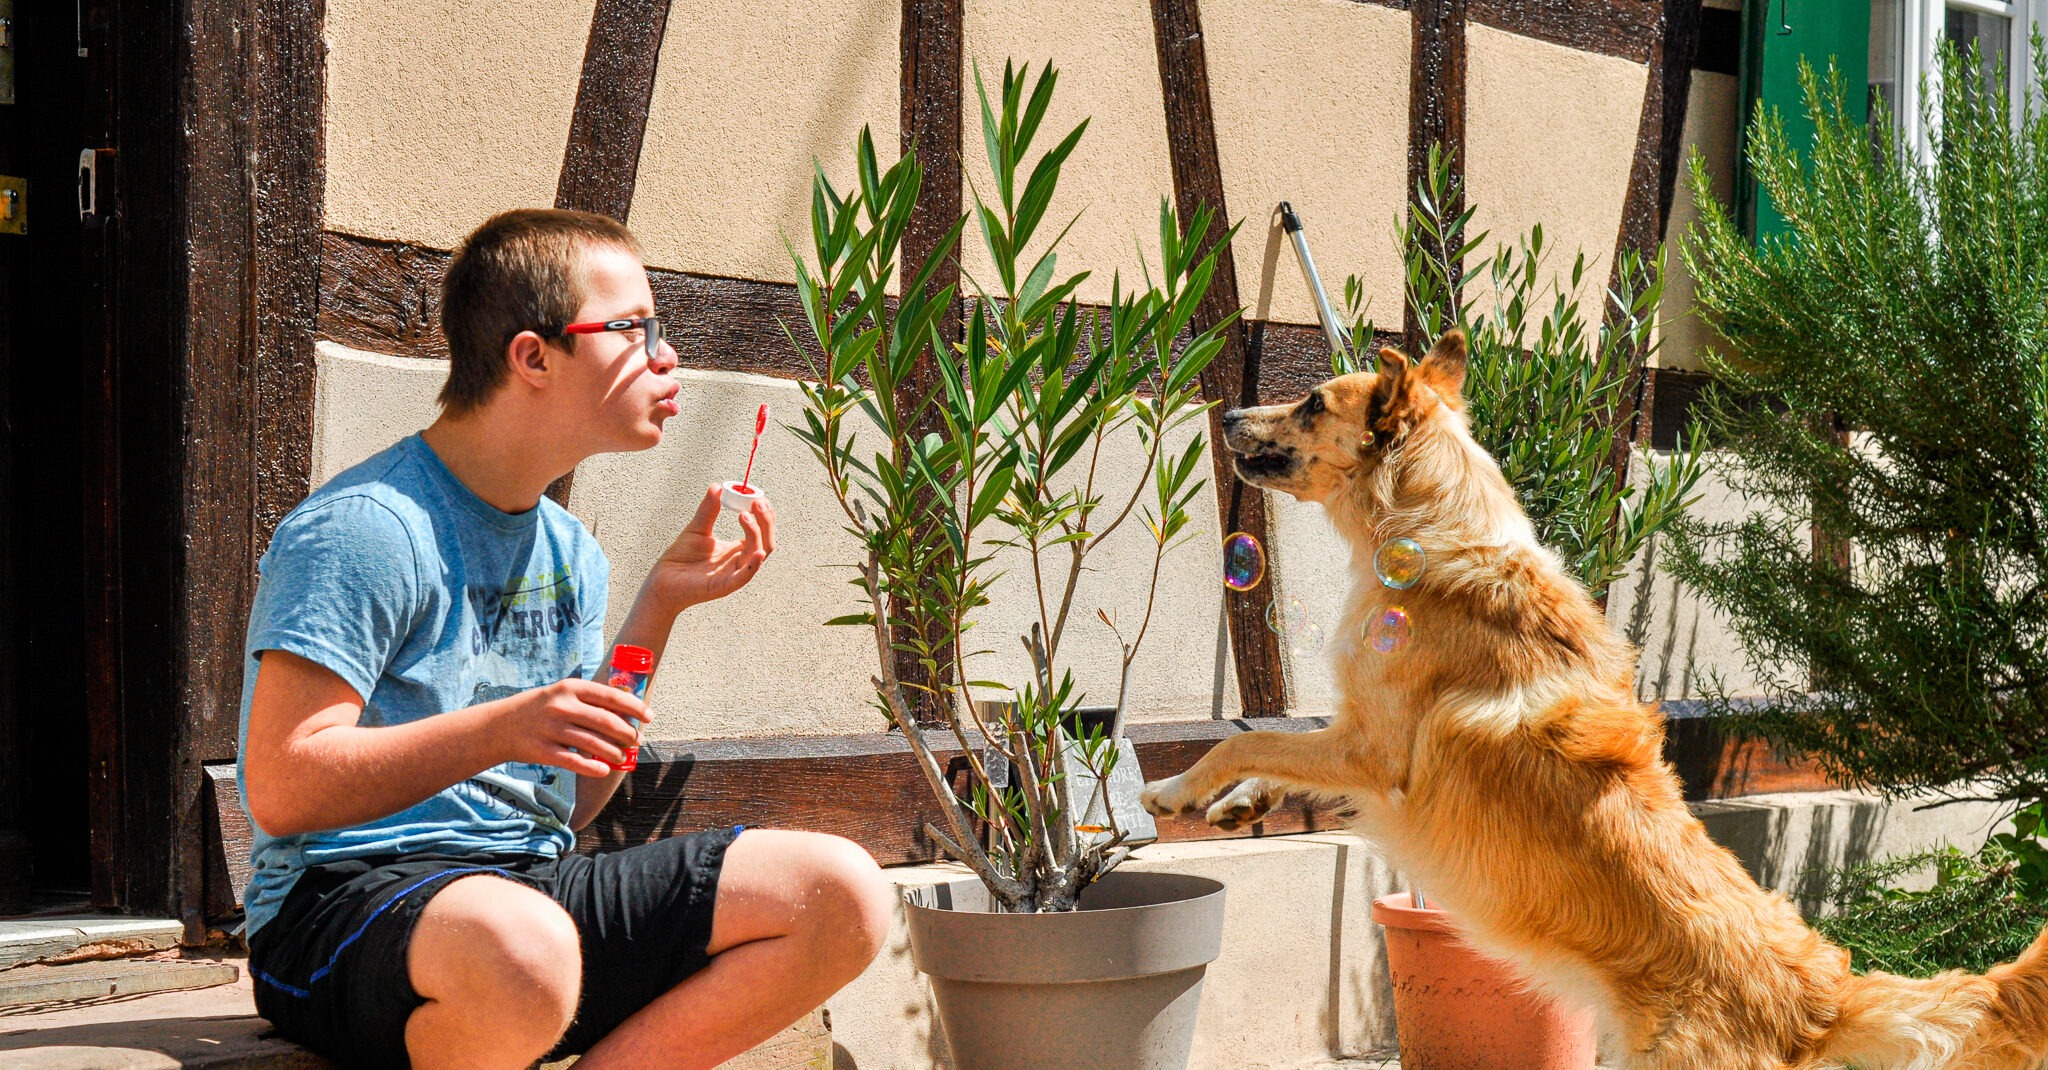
{"x": 1348, "y": 427}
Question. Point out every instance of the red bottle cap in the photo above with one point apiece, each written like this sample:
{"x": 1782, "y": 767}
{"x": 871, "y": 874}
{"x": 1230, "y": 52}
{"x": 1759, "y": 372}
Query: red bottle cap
{"x": 632, "y": 658}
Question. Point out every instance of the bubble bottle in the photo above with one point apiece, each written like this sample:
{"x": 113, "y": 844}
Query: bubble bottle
{"x": 631, "y": 665}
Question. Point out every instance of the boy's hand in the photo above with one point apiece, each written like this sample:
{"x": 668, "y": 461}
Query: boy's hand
{"x": 579, "y": 725}
{"x": 699, "y": 566}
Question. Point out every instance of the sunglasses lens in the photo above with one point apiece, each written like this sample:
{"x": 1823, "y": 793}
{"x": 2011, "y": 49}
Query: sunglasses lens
{"x": 656, "y": 334}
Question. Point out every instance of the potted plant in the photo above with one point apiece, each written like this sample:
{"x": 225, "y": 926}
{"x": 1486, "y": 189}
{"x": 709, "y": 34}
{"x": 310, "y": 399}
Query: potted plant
{"x": 946, "y": 454}
{"x": 1545, "y": 393}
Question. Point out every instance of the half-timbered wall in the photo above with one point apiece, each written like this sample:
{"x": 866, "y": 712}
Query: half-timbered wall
{"x": 699, "y": 123}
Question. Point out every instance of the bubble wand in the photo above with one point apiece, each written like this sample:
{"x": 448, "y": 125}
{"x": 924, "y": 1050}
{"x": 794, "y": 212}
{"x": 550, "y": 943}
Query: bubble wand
{"x": 741, "y": 496}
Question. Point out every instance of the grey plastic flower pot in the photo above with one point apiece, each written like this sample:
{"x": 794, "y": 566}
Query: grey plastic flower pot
{"x": 1112, "y": 986}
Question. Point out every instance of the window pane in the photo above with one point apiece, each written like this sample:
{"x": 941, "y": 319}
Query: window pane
{"x": 1989, "y": 33}
{"x": 1885, "y": 24}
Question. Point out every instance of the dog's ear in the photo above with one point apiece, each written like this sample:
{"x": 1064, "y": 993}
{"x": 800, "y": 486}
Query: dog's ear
{"x": 1444, "y": 368}
{"x": 1405, "y": 393}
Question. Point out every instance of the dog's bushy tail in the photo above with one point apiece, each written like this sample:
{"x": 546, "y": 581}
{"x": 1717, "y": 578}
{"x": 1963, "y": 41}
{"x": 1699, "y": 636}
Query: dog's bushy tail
{"x": 1953, "y": 1021}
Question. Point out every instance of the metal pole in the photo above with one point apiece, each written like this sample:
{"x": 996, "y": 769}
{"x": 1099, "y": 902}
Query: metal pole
{"x": 1290, "y": 221}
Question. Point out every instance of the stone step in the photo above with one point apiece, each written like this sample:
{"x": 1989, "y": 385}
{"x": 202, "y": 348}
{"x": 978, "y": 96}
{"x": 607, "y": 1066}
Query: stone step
{"x": 99, "y": 980}
{"x": 68, "y": 937}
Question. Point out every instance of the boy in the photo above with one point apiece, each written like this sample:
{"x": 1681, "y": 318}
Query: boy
{"x": 422, "y": 733}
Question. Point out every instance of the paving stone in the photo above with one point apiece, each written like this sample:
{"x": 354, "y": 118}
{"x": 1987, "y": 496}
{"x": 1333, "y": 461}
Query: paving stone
{"x": 217, "y": 1029}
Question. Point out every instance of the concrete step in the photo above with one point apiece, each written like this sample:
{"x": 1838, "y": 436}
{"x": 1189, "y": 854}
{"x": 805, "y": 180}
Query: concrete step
{"x": 119, "y": 977}
{"x": 70, "y": 937}
{"x": 217, "y": 1029}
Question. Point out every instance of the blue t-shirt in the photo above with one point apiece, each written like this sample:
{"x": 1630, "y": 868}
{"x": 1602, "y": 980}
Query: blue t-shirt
{"x": 425, "y": 599}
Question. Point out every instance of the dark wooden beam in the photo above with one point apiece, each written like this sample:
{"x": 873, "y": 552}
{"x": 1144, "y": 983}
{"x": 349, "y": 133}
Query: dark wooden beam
{"x": 601, "y": 164}
{"x": 1684, "y": 25}
{"x": 1646, "y": 210}
{"x": 602, "y": 160}
{"x": 290, "y": 170}
{"x": 1436, "y": 117}
{"x": 867, "y": 788}
{"x": 1229, "y": 379}
{"x": 1624, "y": 28}
{"x": 1293, "y": 357}
{"x": 931, "y": 97}
{"x": 386, "y": 297}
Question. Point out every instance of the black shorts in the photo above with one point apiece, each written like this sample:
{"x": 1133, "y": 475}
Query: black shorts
{"x": 330, "y": 968}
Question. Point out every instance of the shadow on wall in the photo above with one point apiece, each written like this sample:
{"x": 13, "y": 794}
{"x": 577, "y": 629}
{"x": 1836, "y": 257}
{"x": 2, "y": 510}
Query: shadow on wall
{"x": 1790, "y": 849}
{"x": 1357, "y": 974}
{"x": 1658, "y": 640}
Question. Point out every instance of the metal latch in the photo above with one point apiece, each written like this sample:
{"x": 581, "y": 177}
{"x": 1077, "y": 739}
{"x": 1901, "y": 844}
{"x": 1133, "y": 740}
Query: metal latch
{"x": 13, "y": 205}
{"x": 88, "y": 183}
{"x": 7, "y": 51}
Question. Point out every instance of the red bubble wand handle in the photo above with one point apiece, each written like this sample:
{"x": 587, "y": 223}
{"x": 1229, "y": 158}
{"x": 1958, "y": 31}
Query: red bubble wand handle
{"x": 760, "y": 422}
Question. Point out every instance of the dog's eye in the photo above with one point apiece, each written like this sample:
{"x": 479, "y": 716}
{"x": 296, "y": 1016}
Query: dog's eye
{"x": 1310, "y": 408}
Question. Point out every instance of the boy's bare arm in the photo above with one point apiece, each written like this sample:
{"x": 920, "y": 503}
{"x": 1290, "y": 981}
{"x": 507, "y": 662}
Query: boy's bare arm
{"x": 309, "y": 765}
{"x": 697, "y": 567}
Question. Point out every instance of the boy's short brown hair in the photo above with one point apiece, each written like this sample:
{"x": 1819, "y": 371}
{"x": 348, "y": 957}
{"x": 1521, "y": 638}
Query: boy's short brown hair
{"x": 517, "y": 272}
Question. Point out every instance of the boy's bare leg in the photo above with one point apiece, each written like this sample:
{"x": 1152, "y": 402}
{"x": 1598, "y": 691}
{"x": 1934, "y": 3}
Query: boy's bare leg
{"x": 798, "y": 915}
{"x": 499, "y": 966}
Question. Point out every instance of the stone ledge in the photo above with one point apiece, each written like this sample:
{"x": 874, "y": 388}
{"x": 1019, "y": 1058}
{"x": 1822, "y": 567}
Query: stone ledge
{"x": 1300, "y": 983}
{"x": 68, "y": 937}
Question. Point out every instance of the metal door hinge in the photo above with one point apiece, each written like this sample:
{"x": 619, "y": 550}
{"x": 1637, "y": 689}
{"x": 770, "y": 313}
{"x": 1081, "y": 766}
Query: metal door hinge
{"x": 13, "y": 205}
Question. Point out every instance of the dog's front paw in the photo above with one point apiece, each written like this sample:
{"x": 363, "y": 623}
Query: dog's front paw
{"x": 1244, "y": 804}
{"x": 1165, "y": 798}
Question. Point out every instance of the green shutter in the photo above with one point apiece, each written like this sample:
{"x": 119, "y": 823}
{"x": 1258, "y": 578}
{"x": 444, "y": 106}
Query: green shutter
{"x": 1777, "y": 34}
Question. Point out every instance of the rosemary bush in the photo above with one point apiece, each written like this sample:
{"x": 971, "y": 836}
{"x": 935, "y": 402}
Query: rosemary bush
{"x": 1000, "y": 447}
{"x": 1545, "y": 388}
{"x": 1885, "y": 363}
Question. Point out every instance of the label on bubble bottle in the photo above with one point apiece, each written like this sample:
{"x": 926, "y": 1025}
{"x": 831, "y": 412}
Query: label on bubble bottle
{"x": 630, "y": 668}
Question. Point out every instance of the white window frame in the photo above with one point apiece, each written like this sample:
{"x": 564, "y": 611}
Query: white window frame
{"x": 1923, "y": 23}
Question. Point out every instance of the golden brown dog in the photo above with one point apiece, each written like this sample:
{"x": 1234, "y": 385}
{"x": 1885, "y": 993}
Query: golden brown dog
{"x": 1502, "y": 760}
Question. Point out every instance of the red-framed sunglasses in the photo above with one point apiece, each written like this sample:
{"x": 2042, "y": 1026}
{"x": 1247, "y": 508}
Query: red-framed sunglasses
{"x": 656, "y": 334}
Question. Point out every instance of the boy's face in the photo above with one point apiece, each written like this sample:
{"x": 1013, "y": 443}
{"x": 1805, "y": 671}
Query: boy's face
{"x": 609, "y": 375}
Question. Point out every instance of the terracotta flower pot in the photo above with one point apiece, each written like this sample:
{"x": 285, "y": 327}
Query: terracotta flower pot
{"x": 1456, "y": 1009}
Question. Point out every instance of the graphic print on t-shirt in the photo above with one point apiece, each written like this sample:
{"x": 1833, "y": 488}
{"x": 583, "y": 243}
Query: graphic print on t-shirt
{"x": 516, "y": 637}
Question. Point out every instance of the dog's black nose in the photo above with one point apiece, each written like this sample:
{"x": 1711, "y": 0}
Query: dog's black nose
{"x": 1233, "y": 417}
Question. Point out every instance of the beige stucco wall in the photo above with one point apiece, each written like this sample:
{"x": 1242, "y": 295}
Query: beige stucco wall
{"x": 1711, "y": 129}
{"x": 1687, "y": 648}
{"x": 1311, "y": 106}
{"x": 1115, "y": 178}
{"x": 1184, "y": 669}
{"x": 1314, "y": 566}
{"x": 363, "y": 402}
{"x": 805, "y": 678}
{"x": 441, "y": 112}
{"x": 747, "y": 94}
{"x": 1550, "y": 136}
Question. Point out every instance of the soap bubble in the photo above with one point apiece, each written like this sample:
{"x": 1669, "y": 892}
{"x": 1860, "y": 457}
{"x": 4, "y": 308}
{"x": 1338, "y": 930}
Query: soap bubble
{"x": 1244, "y": 562}
{"x": 1387, "y": 632}
{"x": 1399, "y": 563}
{"x": 1286, "y": 615}
{"x": 1305, "y": 641}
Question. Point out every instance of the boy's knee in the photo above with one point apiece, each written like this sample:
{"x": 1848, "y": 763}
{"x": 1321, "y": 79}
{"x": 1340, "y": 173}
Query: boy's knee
{"x": 863, "y": 901}
{"x": 501, "y": 947}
